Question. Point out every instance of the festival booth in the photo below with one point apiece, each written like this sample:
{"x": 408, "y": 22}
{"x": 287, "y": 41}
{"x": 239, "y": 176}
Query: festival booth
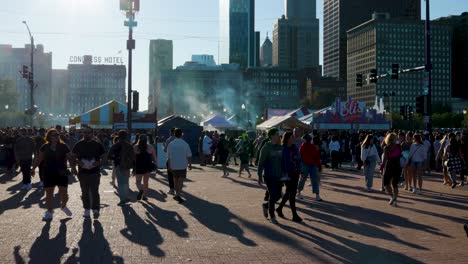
{"x": 282, "y": 122}
{"x": 101, "y": 116}
{"x": 308, "y": 119}
{"x": 192, "y": 131}
{"x": 217, "y": 122}
{"x": 139, "y": 121}
{"x": 300, "y": 112}
{"x": 350, "y": 115}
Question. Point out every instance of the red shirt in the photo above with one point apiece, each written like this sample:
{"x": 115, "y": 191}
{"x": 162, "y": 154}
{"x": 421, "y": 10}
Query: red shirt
{"x": 310, "y": 154}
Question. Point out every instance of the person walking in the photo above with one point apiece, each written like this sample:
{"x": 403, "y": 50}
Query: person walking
{"x": 370, "y": 157}
{"x": 88, "y": 154}
{"x": 53, "y": 156}
{"x": 270, "y": 171}
{"x": 24, "y": 150}
{"x": 145, "y": 158}
{"x": 391, "y": 167}
{"x": 291, "y": 168}
{"x": 454, "y": 161}
{"x": 417, "y": 157}
{"x": 170, "y": 177}
{"x": 206, "y": 148}
{"x": 311, "y": 165}
{"x": 222, "y": 152}
{"x": 123, "y": 155}
{"x": 179, "y": 158}
{"x": 334, "y": 148}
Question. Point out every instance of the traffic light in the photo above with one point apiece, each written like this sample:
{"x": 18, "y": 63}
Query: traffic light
{"x": 358, "y": 80}
{"x": 420, "y": 104}
{"x": 25, "y": 72}
{"x": 373, "y": 76}
{"x": 135, "y": 100}
{"x": 395, "y": 70}
{"x": 410, "y": 112}
{"x": 31, "y": 76}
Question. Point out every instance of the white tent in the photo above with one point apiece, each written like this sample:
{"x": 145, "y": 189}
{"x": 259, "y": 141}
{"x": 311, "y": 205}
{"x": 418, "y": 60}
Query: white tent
{"x": 308, "y": 119}
{"x": 284, "y": 122}
{"x": 217, "y": 121}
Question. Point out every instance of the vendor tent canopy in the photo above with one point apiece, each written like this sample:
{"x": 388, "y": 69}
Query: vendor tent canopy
{"x": 217, "y": 121}
{"x": 300, "y": 112}
{"x": 101, "y": 116}
{"x": 284, "y": 122}
{"x": 191, "y": 131}
{"x": 308, "y": 119}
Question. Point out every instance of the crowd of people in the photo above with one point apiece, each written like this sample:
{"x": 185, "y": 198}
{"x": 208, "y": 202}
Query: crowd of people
{"x": 283, "y": 159}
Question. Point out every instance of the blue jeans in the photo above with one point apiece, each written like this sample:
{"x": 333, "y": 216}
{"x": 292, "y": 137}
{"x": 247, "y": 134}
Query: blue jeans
{"x": 312, "y": 172}
{"x": 122, "y": 182}
{"x": 370, "y": 170}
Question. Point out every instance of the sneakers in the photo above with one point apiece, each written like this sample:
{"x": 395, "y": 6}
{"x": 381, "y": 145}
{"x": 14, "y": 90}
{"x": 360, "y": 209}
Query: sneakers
{"x": 461, "y": 184}
{"x": 140, "y": 195}
{"x": 47, "y": 216}
{"x": 265, "y": 209}
{"x": 26, "y": 187}
{"x": 318, "y": 199}
{"x": 86, "y": 213}
{"x": 392, "y": 201}
{"x": 299, "y": 196}
{"x": 96, "y": 213}
{"x": 171, "y": 192}
{"x": 279, "y": 211}
{"x": 297, "y": 219}
{"x": 178, "y": 198}
{"x": 67, "y": 211}
{"x": 274, "y": 221}
{"x": 419, "y": 191}
{"x": 413, "y": 190}
{"x": 454, "y": 184}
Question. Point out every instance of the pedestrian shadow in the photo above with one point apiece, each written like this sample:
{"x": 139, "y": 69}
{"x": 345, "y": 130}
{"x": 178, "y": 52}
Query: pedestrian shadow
{"x": 350, "y": 251}
{"x": 93, "y": 247}
{"x": 166, "y": 219}
{"x": 243, "y": 183}
{"x": 158, "y": 195}
{"x": 330, "y": 213}
{"x": 18, "y": 258}
{"x": 50, "y": 250}
{"x": 14, "y": 201}
{"x": 216, "y": 217}
{"x": 6, "y": 177}
{"x": 142, "y": 232}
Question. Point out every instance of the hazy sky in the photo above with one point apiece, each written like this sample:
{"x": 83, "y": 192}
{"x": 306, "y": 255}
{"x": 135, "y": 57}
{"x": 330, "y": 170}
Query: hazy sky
{"x": 78, "y": 27}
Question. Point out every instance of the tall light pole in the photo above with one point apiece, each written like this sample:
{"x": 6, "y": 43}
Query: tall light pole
{"x": 130, "y": 7}
{"x": 31, "y": 74}
{"x": 428, "y": 68}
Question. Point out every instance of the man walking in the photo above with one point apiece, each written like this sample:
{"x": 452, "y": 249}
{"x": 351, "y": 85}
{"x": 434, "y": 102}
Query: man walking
{"x": 88, "y": 153}
{"x": 170, "y": 177}
{"x": 24, "y": 149}
{"x": 179, "y": 158}
{"x": 123, "y": 155}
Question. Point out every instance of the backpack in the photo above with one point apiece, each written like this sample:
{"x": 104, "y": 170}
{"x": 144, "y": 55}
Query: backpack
{"x": 127, "y": 156}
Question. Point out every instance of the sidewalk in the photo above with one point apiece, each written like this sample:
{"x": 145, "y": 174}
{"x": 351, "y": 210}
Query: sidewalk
{"x": 221, "y": 222}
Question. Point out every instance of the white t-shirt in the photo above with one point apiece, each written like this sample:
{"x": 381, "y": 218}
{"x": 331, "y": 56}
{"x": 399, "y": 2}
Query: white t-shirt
{"x": 177, "y": 153}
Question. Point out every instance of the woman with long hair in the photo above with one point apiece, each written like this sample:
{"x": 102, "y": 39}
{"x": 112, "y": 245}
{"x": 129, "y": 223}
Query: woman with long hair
{"x": 145, "y": 158}
{"x": 417, "y": 156}
{"x": 391, "y": 167}
{"x": 370, "y": 157}
{"x": 291, "y": 163}
{"x": 54, "y": 155}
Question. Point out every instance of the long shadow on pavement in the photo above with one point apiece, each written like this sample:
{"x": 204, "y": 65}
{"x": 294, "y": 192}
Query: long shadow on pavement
{"x": 93, "y": 246}
{"x": 141, "y": 231}
{"x": 50, "y": 250}
{"x": 350, "y": 251}
{"x": 166, "y": 219}
{"x": 20, "y": 198}
{"x": 216, "y": 217}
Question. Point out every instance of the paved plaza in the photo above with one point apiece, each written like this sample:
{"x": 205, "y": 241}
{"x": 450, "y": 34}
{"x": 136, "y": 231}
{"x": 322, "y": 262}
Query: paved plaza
{"x": 221, "y": 222}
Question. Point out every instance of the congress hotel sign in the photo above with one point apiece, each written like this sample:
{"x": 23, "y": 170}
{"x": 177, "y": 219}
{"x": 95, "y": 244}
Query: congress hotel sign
{"x": 87, "y": 59}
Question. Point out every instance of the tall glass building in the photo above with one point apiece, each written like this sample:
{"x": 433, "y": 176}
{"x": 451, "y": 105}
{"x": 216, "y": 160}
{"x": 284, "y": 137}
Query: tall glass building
{"x": 237, "y": 32}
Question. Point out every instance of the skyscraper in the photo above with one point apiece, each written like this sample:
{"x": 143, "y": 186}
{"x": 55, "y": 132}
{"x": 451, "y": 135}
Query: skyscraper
{"x": 341, "y": 15}
{"x": 160, "y": 59}
{"x": 266, "y": 54}
{"x": 237, "y": 32}
{"x": 296, "y": 36}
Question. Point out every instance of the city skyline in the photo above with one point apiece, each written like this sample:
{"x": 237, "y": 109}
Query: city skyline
{"x": 96, "y": 28}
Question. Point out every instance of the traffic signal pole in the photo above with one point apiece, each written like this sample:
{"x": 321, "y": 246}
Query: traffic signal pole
{"x": 428, "y": 93}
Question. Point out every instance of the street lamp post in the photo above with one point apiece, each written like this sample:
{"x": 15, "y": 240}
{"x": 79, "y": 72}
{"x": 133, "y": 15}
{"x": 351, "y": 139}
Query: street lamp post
{"x": 31, "y": 74}
{"x": 245, "y": 114}
{"x": 130, "y": 7}
{"x": 428, "y": 108}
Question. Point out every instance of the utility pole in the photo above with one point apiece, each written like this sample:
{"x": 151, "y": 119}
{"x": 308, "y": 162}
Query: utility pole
{"x": 32, "y": 109}
{"x": 130, "y": 7}
{"x": 428, "y": 68}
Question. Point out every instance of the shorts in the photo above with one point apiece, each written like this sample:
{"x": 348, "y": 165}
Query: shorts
{"x": 55, "y": 180}
{"x": 417, "y": 164}
{"x": 179, "y": 173}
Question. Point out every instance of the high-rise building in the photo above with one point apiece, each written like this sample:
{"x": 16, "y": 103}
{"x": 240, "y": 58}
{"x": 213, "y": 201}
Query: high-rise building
{"x": 208, "y": 60}
{"x": 383, "y": 41}
{"x": 459, "y": 68}
{"x": 237, "y": 32}
{"x": 11, "y": 63}
{"x": 160, "y": 59}
{"x": 341, "y": 15}
{"x": 59, "y": 90}
{"x": 266, "y": 53}
{"x": 296, "y": 36}
{"x": 93, "y": 85}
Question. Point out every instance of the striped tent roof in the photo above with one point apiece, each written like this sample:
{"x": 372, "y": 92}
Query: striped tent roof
{"x": 101, "y": 116}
